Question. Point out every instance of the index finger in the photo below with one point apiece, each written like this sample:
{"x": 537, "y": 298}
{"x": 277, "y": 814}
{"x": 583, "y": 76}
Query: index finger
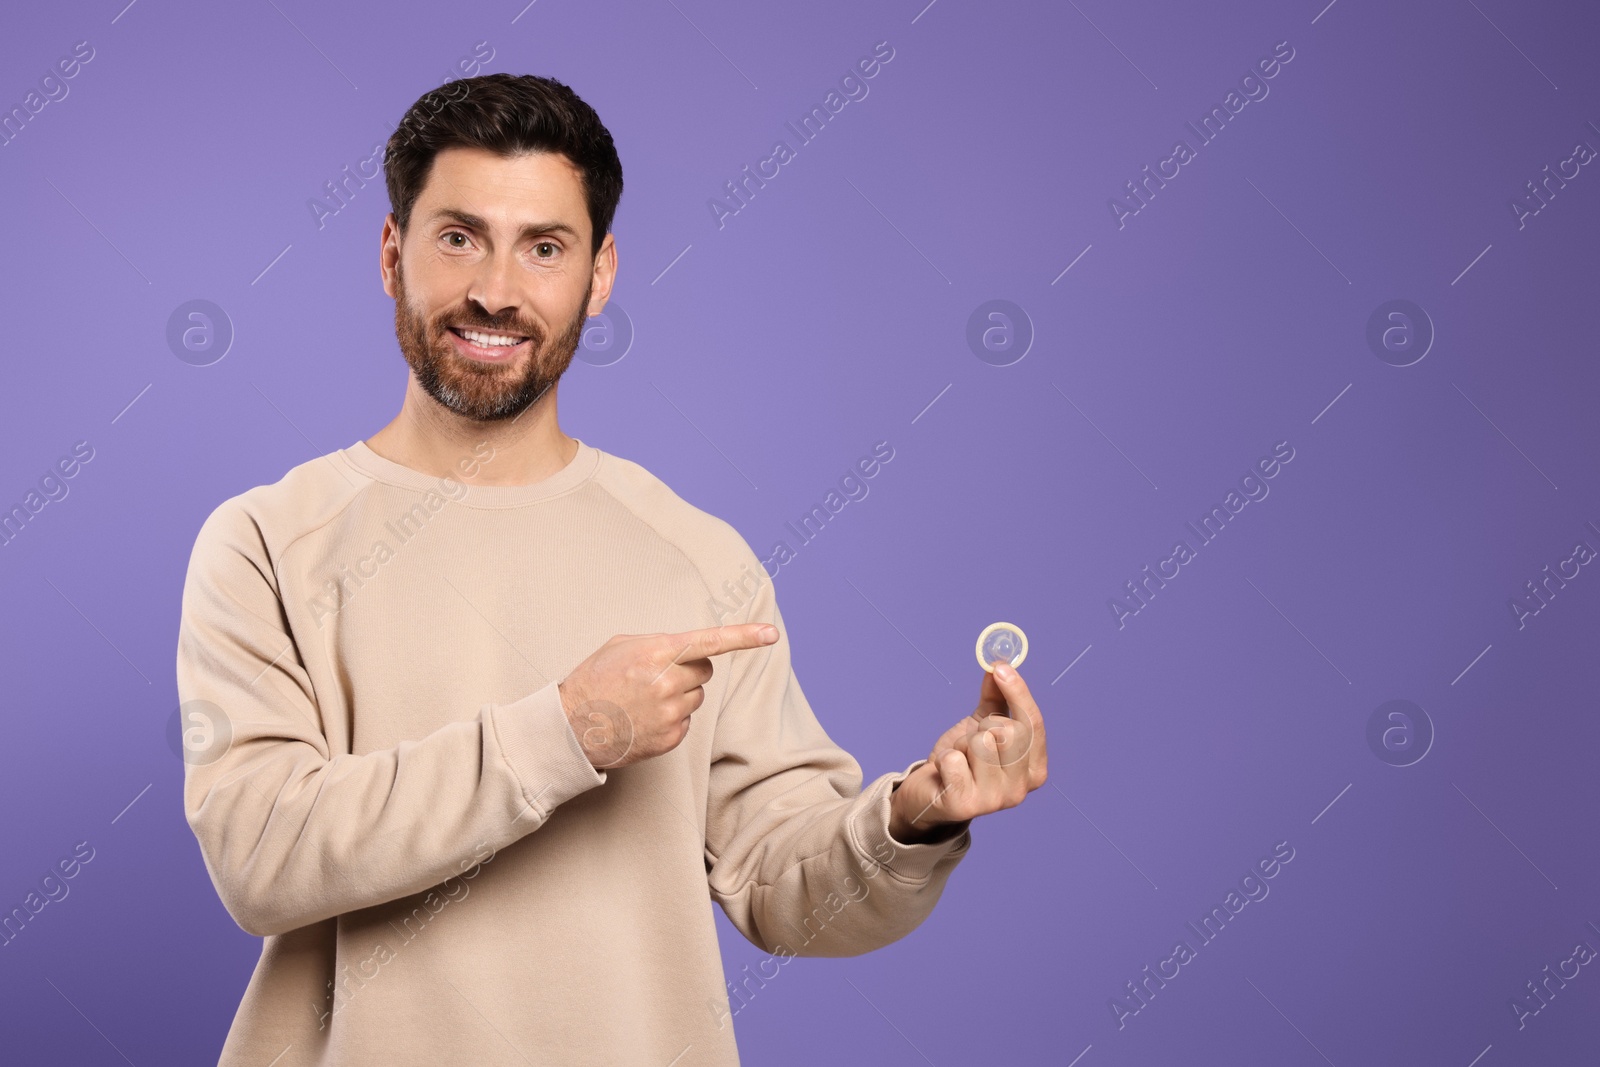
{"x": 715, "y": 640}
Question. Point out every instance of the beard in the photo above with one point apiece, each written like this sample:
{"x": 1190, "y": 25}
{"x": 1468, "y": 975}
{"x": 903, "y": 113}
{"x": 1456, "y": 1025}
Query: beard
{"x": 483, "y": 392}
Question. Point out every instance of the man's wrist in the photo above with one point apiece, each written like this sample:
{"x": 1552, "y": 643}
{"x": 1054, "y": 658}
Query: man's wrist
{"x": 903, "y": 831}
{"x": 577, "y": 727}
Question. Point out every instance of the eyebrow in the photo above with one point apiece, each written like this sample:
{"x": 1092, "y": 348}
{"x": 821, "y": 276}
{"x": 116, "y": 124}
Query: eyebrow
{"x": 477, "y": 222}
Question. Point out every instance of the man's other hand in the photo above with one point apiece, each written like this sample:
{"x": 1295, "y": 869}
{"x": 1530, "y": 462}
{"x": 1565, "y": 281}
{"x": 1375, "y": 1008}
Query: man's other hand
{"x": 990, "y": 759}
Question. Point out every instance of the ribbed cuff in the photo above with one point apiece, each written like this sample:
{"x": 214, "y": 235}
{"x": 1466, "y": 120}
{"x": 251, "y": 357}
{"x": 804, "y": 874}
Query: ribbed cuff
{"x": 869, "y": 831}
{"x": 538, "y": 743}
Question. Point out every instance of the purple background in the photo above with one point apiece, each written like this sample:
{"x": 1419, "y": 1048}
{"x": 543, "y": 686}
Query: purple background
{"x": 1228, "y": 715}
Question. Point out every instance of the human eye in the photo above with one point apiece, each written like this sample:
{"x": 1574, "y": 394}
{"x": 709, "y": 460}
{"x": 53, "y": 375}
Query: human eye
{"x": 448, "y": 234}
{"x": 555, "y": 249}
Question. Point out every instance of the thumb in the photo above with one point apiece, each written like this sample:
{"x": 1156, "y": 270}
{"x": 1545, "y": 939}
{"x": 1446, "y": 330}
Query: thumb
{"x": 991, "y": 700}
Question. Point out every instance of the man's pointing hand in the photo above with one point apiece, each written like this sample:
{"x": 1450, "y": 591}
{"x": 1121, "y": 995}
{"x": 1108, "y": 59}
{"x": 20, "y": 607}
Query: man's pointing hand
{"x": 632, "y": 698}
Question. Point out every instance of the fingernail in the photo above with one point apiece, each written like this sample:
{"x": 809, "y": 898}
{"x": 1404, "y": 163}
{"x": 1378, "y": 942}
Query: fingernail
{"x": 1003, "y": 670}
{"x": 769, "y": 632}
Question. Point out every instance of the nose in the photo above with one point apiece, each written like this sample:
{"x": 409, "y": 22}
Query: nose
{"x": 494, "y": 288}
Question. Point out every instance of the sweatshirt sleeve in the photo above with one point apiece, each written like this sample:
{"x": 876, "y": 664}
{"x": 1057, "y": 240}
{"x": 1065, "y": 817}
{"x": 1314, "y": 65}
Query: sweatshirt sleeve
{"x": 798, "y": 855}
{"x": 292, "y": 832}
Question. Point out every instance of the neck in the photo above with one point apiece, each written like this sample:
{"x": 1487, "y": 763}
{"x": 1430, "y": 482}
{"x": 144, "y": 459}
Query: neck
{"x": 522, "y": 450}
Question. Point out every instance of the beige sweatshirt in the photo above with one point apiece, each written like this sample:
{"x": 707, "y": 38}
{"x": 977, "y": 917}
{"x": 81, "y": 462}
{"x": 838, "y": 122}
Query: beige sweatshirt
{"x": 386, "y": 789}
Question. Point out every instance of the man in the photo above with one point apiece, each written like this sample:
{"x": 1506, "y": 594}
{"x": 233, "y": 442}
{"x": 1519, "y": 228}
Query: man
{"x": 455, "y": 745}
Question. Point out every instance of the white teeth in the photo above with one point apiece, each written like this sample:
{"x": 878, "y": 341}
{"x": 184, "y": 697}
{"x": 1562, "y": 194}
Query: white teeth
{"x": 489, "y": 340}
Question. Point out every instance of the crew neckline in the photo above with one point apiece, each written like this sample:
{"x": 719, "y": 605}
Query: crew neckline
{"x": 578, "y": 470}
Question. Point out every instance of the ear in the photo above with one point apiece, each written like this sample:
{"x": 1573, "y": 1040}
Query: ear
{"x": 605, "y": 275}
{"x": 389, "y": 253}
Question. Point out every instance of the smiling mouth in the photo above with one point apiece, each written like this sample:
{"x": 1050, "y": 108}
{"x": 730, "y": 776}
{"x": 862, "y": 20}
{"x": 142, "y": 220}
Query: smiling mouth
{"x": 487, "y": 345}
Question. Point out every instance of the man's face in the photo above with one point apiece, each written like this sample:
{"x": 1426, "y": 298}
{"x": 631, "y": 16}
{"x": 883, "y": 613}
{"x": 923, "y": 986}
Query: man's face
{"x": 500, "y": 247}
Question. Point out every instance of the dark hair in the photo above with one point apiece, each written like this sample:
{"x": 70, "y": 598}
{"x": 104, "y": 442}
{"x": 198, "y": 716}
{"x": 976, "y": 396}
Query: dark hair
{"x": 506, "y": 114}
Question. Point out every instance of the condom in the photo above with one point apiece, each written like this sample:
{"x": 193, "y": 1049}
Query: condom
{"x": 1003, "y": 641}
